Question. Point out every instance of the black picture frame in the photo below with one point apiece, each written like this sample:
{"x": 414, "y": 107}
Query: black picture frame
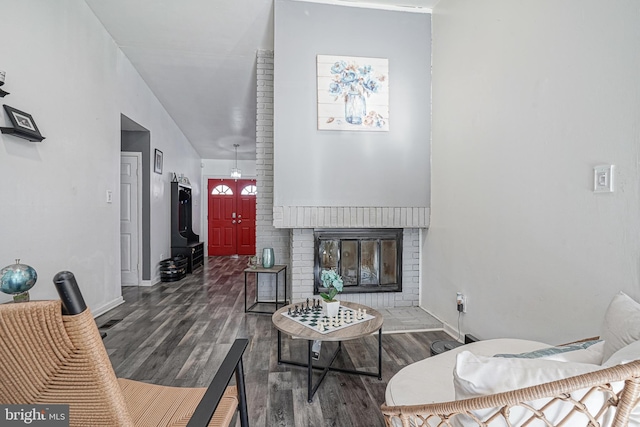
{"x": 157, "y": 162}
{"x": 23, "y": 125}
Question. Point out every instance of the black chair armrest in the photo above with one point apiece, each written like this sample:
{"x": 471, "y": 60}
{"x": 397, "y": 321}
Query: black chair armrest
{"x": 231, "y": 364}
{"x": 70, "y": 295}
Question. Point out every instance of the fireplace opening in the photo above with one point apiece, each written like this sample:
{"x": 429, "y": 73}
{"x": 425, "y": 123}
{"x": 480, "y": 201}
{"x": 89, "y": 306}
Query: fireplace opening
{"x": 369, "y": 260}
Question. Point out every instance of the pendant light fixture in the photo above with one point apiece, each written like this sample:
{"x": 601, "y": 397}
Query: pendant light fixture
{"x": 235, "y": 172}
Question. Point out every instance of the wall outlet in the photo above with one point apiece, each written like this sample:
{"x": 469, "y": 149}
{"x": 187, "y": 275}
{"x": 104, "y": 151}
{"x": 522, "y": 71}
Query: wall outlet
{"x": 461, "y": 302}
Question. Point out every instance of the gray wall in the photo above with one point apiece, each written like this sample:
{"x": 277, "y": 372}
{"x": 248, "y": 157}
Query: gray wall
{"x": 347, "y": 168}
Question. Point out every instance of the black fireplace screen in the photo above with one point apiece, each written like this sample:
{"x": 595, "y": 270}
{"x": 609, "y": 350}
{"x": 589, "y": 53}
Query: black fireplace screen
{"x": 369, "y": 260}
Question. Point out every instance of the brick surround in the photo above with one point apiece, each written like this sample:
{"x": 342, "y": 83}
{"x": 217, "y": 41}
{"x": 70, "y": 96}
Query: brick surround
{"x": 289, "y": 230}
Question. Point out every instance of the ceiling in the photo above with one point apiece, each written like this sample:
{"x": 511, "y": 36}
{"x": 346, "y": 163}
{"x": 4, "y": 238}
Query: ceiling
{"x": 198, "y": 57}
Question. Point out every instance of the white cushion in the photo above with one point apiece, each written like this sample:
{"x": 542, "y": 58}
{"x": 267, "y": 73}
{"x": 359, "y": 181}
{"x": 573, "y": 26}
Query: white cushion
{"x": 430, "y": 380}
{"x": 626, "y": 354}
{"x": 476, "y": 375}
{"x": 480, "y": 375}
{"x": 591, "y": 355}
{"x": 621, "y": 324}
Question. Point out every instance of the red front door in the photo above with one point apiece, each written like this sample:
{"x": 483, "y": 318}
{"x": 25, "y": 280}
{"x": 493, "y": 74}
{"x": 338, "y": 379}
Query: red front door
{"x": 246, "y": 205}
{"x": 232, "y": 216}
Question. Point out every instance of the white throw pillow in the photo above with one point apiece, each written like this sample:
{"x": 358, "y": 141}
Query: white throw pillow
{"x": 626, "y": 354}
{"x": 478, "y": 375}
{"x": 621, "y": 325}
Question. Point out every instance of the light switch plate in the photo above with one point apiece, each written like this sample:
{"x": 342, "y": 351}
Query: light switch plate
{"x": 603, "y": 179}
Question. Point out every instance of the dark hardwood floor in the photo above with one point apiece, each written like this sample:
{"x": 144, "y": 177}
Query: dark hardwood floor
{"x": 178, "y": 333}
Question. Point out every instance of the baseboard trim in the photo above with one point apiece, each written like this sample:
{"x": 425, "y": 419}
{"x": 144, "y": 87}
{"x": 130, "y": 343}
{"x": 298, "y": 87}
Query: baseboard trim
{"x": 453, "y": 332}
{"x": 108, "y": 306}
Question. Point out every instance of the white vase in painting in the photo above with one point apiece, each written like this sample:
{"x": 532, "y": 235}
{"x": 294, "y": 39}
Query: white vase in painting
{"x": 330, "y": 309}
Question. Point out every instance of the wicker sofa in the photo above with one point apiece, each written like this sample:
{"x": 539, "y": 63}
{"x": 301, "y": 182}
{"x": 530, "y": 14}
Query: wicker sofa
{"x": 513, "y": 382}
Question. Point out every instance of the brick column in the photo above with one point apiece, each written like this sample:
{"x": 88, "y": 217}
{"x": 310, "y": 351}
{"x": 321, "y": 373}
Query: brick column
{"x": 267, "y": 236}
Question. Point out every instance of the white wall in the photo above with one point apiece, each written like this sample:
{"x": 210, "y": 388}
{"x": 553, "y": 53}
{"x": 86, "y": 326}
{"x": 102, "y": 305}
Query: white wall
{"x": 64, "y": 69}
{"x": 221, "y": 168}
{"x": 528, "y": 96}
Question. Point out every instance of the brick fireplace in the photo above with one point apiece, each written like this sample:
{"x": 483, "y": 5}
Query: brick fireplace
{"x": 290, "y": 229}
{"x": 302, "y": 267}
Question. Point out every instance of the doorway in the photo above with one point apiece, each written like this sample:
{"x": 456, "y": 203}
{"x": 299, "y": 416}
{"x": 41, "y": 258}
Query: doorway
{"x": 130, "y": 215}
{"x": 232, "y": 216}
{"x": 134, "y": 138}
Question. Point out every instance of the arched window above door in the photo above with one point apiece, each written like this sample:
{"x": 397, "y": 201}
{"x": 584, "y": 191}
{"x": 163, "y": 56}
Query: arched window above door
{"x": 222, "y": 190}
{"x": 249, "y": 190}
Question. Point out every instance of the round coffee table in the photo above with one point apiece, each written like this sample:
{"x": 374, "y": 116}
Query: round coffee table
{"x": 295, "y": 329}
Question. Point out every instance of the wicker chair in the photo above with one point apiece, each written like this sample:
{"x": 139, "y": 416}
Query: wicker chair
{"x": 51, "y": 353}
{"x": 536, "y": 401}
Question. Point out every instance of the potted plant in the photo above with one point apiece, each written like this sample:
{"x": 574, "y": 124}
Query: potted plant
{"x": 333, "y": 283}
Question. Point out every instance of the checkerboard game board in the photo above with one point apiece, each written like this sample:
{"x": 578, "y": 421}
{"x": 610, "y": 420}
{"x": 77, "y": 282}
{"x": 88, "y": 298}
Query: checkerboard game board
{"x": 314, "y": 317}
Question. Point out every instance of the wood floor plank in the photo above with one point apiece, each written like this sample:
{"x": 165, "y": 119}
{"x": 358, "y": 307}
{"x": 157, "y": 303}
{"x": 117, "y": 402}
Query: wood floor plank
{"x": 177, "y": 333}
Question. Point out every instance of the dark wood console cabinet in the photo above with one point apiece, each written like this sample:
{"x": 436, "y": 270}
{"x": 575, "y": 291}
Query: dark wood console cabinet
{"x": 183, "y": 240}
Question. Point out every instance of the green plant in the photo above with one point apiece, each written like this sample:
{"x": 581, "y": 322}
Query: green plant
{"x": 333, "y": 282}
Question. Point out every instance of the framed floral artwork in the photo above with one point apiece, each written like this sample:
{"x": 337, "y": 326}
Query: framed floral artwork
{"x": 353, "y": 93}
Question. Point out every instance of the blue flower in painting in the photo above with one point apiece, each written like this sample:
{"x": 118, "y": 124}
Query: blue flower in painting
{"x": 365, "y": 70}
{"x": 338, "y": 67}
{"x": 349, "y": 76}
{"x": 353, "y": 78}
{"x": 371, "y": 85}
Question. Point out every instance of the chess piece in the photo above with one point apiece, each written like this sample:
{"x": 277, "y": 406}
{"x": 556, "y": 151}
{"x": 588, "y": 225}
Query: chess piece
{"x": 364, "y": 313}
{"x": 289, "y": 311}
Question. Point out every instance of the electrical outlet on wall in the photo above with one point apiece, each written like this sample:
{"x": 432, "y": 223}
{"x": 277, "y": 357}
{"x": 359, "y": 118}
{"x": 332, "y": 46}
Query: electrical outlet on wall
{"x": 461, "y": 302}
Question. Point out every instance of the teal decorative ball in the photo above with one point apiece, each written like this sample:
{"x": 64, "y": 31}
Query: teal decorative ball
{"x": 17, "y": 278}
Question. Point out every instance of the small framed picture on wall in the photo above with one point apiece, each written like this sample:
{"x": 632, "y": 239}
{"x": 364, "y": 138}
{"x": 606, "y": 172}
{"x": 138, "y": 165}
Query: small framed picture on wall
{"x": 157, "y": 168}
{"x": 23, "y": 124}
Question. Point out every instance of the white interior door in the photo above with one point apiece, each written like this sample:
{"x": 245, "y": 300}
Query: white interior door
{"x": 130, "y": 231}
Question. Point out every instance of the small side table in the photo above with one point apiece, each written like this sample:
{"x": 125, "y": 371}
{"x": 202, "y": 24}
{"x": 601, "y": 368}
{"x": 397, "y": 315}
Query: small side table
{"x": 276, "y": 269}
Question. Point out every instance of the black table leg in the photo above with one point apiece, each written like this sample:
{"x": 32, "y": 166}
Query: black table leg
{"x": 277, "y": 280}
{"x": 309, "y": 372}
{"x": 311, "y": 388}
{"x": 279, "y": 348}
{"x": 245, "y": 291}
{"x": 380, "y": 354}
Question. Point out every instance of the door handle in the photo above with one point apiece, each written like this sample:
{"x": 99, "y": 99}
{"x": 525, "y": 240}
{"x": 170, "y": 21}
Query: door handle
{"x": 239, "y": 221}
{"x": 233, "y": 222}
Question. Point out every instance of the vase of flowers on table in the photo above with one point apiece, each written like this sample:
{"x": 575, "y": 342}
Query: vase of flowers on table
{"x": 333, "y": 283}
